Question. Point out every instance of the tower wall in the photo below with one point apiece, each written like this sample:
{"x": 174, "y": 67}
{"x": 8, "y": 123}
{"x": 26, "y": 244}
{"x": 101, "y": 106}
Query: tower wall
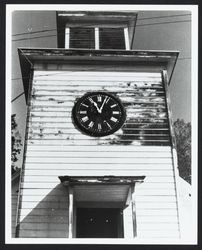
{"x": 55, "y": 147}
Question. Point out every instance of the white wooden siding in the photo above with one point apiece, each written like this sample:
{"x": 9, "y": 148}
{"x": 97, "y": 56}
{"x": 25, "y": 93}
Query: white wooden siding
{"x": 55, "y": 148}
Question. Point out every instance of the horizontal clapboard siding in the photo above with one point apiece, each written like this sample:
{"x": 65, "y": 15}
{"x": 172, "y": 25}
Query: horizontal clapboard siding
{"x": 156, "y": 191}
{"x": 115, "y": 148}
{"x": 139, "y": 198}
{"x": 95, "y": 160}
{"x": 55, "y": 148}
{"x": 55, "y": 154}
{"x": 142, "y": 94}
{"x": 52, "y": 185}
{"x": 152, "y": 210}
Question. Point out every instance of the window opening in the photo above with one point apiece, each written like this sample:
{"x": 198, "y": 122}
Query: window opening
{"x": 112, "y": 38}
{"x": 82, "y": 38}
{"x": 97, "y": 38}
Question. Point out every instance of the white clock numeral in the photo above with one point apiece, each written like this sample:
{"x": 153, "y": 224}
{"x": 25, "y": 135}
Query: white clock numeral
{"x": 115, "y": 112}
{"x": 90, "y": 125}
{"x": 113, "y": 119}
{"x": 108, "y": 124}
{"x": 85, "y": 119}
{"x": 99, "y": 126}
{"x": 99, "y": 98}
{"x": 83, "y": 112}
{"x": 107, "y": 99}
{"x": 114, "y": 105}
{"x": 91, "y": 100}
{"x": 84, "y": 105}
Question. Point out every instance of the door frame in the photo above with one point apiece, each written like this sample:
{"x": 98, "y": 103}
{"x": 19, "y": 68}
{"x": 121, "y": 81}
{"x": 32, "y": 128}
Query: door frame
{"x": 72, "y": 181}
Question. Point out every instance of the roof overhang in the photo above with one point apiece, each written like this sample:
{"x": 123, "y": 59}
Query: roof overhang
{"x": 31, "y": 56}
{"x": 102, "y": 191}
{"x": 97, "y": 16}
{"x": 107, "y": 179}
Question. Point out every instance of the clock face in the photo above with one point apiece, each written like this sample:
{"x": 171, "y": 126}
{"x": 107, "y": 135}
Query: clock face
{"x": 98, "y": 114}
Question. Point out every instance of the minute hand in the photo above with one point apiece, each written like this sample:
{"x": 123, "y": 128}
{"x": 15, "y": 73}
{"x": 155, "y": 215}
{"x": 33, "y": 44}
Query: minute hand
{"x": 100, "y": 110}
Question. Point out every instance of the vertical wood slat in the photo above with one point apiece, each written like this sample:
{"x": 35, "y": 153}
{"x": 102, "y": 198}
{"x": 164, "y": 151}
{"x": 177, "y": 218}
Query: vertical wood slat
{"x": 97, "y": 44}
{"x": 127, "y": 216}
{"x": 71, "y": 209}
{"x": 173, "y": 145}
{"x": 168, "y": 106}
{"x": 126, "y": 36}
{"x": 133, "y": 211}
{"x": 19, "y": 201}
{"x": 67, "y": 36}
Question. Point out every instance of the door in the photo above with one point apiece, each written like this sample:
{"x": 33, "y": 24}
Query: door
{"x": 99, "y": 223}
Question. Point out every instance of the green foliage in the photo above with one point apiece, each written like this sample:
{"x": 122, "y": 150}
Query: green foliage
{"x": 16, "y": 143}
{"x": 183, "y": 141}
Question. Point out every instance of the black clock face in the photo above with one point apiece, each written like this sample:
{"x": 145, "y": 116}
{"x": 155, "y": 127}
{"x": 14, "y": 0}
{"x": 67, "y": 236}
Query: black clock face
{"x": 98, "y": 114}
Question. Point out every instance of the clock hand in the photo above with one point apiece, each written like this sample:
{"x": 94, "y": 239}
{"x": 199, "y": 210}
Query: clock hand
{"x": 100, "y": 110}
{"x": 95, "y": 104}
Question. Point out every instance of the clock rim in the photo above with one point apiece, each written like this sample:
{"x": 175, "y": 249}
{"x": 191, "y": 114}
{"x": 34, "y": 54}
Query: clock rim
{"x": 97, "y": 134}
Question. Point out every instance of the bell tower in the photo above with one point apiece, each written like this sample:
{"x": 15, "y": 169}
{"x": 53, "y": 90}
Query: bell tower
{"x": 100, "y": 157}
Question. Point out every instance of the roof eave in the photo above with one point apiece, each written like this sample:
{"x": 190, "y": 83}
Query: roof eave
{"x": 30, "y": 56}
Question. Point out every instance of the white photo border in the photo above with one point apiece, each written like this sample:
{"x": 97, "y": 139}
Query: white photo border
{"x": 194, "y": 119}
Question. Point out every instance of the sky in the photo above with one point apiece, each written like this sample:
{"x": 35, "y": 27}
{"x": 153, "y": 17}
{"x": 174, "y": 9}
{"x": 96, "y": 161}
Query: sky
{"x": 155, "y": 30}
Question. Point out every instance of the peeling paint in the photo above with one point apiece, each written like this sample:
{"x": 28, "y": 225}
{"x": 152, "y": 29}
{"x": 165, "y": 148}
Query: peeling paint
{"x": 144, "y": 101}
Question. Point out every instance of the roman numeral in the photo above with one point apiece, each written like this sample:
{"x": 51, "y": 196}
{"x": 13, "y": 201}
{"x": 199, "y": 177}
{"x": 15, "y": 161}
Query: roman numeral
{"x": 107, "y": 99}
{"x": 90, "y": 99}
{"x": 90, "y": 125}
{"x": 115, "y": 112}
{"x": 108, "y": 124}
{"x": 85, "y": 119}
{"x": 99, "y": 98}
{"x": 113, "y": 119}
{"x": 84, "y": 105}
{"x": 114, "y": 105}
{"x": 99, "y": 126}
{"x": 83, "y": 112}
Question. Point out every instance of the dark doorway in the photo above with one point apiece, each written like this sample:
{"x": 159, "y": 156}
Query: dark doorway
{"x": 99, "y": 223}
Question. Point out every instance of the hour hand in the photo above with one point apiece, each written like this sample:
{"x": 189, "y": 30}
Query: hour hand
{"x": 95, "y": 104}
